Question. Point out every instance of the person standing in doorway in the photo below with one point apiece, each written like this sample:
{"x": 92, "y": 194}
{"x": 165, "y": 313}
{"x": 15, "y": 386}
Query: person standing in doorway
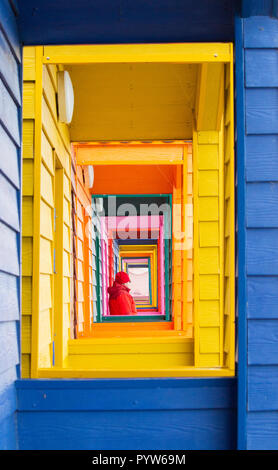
{"x": 120, "y": 300}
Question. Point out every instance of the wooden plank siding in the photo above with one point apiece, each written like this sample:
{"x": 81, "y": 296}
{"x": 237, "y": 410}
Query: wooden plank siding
{"x": 127, "y": 414}
{"x": 46, "y": 219}
{"x": 10, "y": 221}
{"x": 83, "y": 258}
{"x": 261, "y": 139}
{"x": 208, "y": 247}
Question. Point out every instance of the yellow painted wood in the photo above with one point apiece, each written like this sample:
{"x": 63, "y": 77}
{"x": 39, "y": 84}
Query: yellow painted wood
{"x": 182, "y": 371}
{"x": 209, "y": 100}
{"x": 209, "y": 260}
{"x": 209, "y": 287}
{"x": 209, "y": 208}
{"x": 221, "y": 229}
{"x": 28, "y": 177}
{"x": 26, "y": 335}
{"x": 209, "y": 313}
{"x": 47, "y": 154}
{"x": 46, "y": 256}
{"x": 45, "y": 291}
{"x": 29, "y": 60}
{"x": 28, "y": 138}
{"x": 177, "y": 53}
{"x": 66, "y": 211}
{"x": 209, "y": 340}
{"x": 208, "y": 183}
{"x": 51, "y": 131}
{"x": 26, "y": 295}
{"x": 66, "y": 238}
{"x": 28, "y": 100}
{"x": 26, "y": 366}
{"x": 47, "y": 189}
{"x": 60, "y": 268}
{"x": 210, "y": 360}
{"x": 131, "y": 154}
{"x": 209, "y": 234}
{"x": 41, "y": 134}
{"x": 27, "y": 216}
{"x": 149, "y": 352}
{"x": 46, "y": 221}
{"x": 49, "y": 91}
{"x": 209, "y": 194}
{"x": 177, "y": 245}
{"x": 184, "y": 275}
{"x": 144, "y": 101}
{"x": 51, "y": 101}
{"x": 37, "y": 197}
{"x": 52, "y": 70}
{"x": 208, "y": 156}
{"x": 208, "y": 240}
{"x": 27, "y": 256}
{"x": 67, "y": 188}
{"x": 229, "y": 255}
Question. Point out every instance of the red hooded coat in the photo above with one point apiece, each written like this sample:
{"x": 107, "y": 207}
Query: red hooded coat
{"x": 120, "y": 301}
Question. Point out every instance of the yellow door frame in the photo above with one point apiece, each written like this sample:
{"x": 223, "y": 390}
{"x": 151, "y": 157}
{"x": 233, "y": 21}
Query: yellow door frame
{"x": 205, "y": 54}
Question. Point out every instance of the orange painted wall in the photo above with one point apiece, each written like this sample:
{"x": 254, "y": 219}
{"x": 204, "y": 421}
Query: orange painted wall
{"x": 133, "y": 179}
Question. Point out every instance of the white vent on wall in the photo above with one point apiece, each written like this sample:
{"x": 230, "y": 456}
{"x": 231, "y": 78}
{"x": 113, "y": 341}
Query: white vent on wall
{"x": 65, "y": 97}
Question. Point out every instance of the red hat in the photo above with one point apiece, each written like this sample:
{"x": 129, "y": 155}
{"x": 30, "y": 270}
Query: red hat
{"x": 122, "y": 277}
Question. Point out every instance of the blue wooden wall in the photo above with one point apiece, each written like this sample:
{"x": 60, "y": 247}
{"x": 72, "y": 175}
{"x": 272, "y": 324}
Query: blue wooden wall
{"x": 10, "y": 215}
{"x": 258, "y": 227}
{"x": 128, "y": 21}
{"x": 122, "y": 414}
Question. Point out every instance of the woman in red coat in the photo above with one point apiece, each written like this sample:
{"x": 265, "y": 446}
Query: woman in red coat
{"x": 120, "y": 300}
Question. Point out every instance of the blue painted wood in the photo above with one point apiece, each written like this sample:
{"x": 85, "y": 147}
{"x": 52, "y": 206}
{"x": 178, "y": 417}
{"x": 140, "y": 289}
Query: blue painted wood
{"x": 262, "y": 429}
{"x": 261, "y": 68}
{"x": 131, "y": 414}
{"x": 10, "y": 175}
{"x": 9, "y": 70}
{"x": 241, "y": 235}
{"x": 8, "y": 25}
{"x": 14, "y": 6}
{"x": 258, "y": 168}
{"x": 114, "y": 21}
{"x": 9, "y": 305}
{"x": 262, "y": 204}
{"x": 262, "y": 297}
{"x": 8, "y": 434}
{"x": 262, "y": 110}
{"x": 9, "y": 347}
{"x": 261, "y": 267}
{"x": 9, "y": 209}
{"x": 8, "y": 394}
{"x": 125, "y": 430}
{"x": 9, "y": 250}
{"x": 261, "y": 32}
{"x": 9, "y": 116}
{"x": 125, "y": 394}
{"x": 263, "y": 388}
{"x": 263, "y": 342}
{"x": 262, "y": 251}
{"x": 256, "y": 8}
